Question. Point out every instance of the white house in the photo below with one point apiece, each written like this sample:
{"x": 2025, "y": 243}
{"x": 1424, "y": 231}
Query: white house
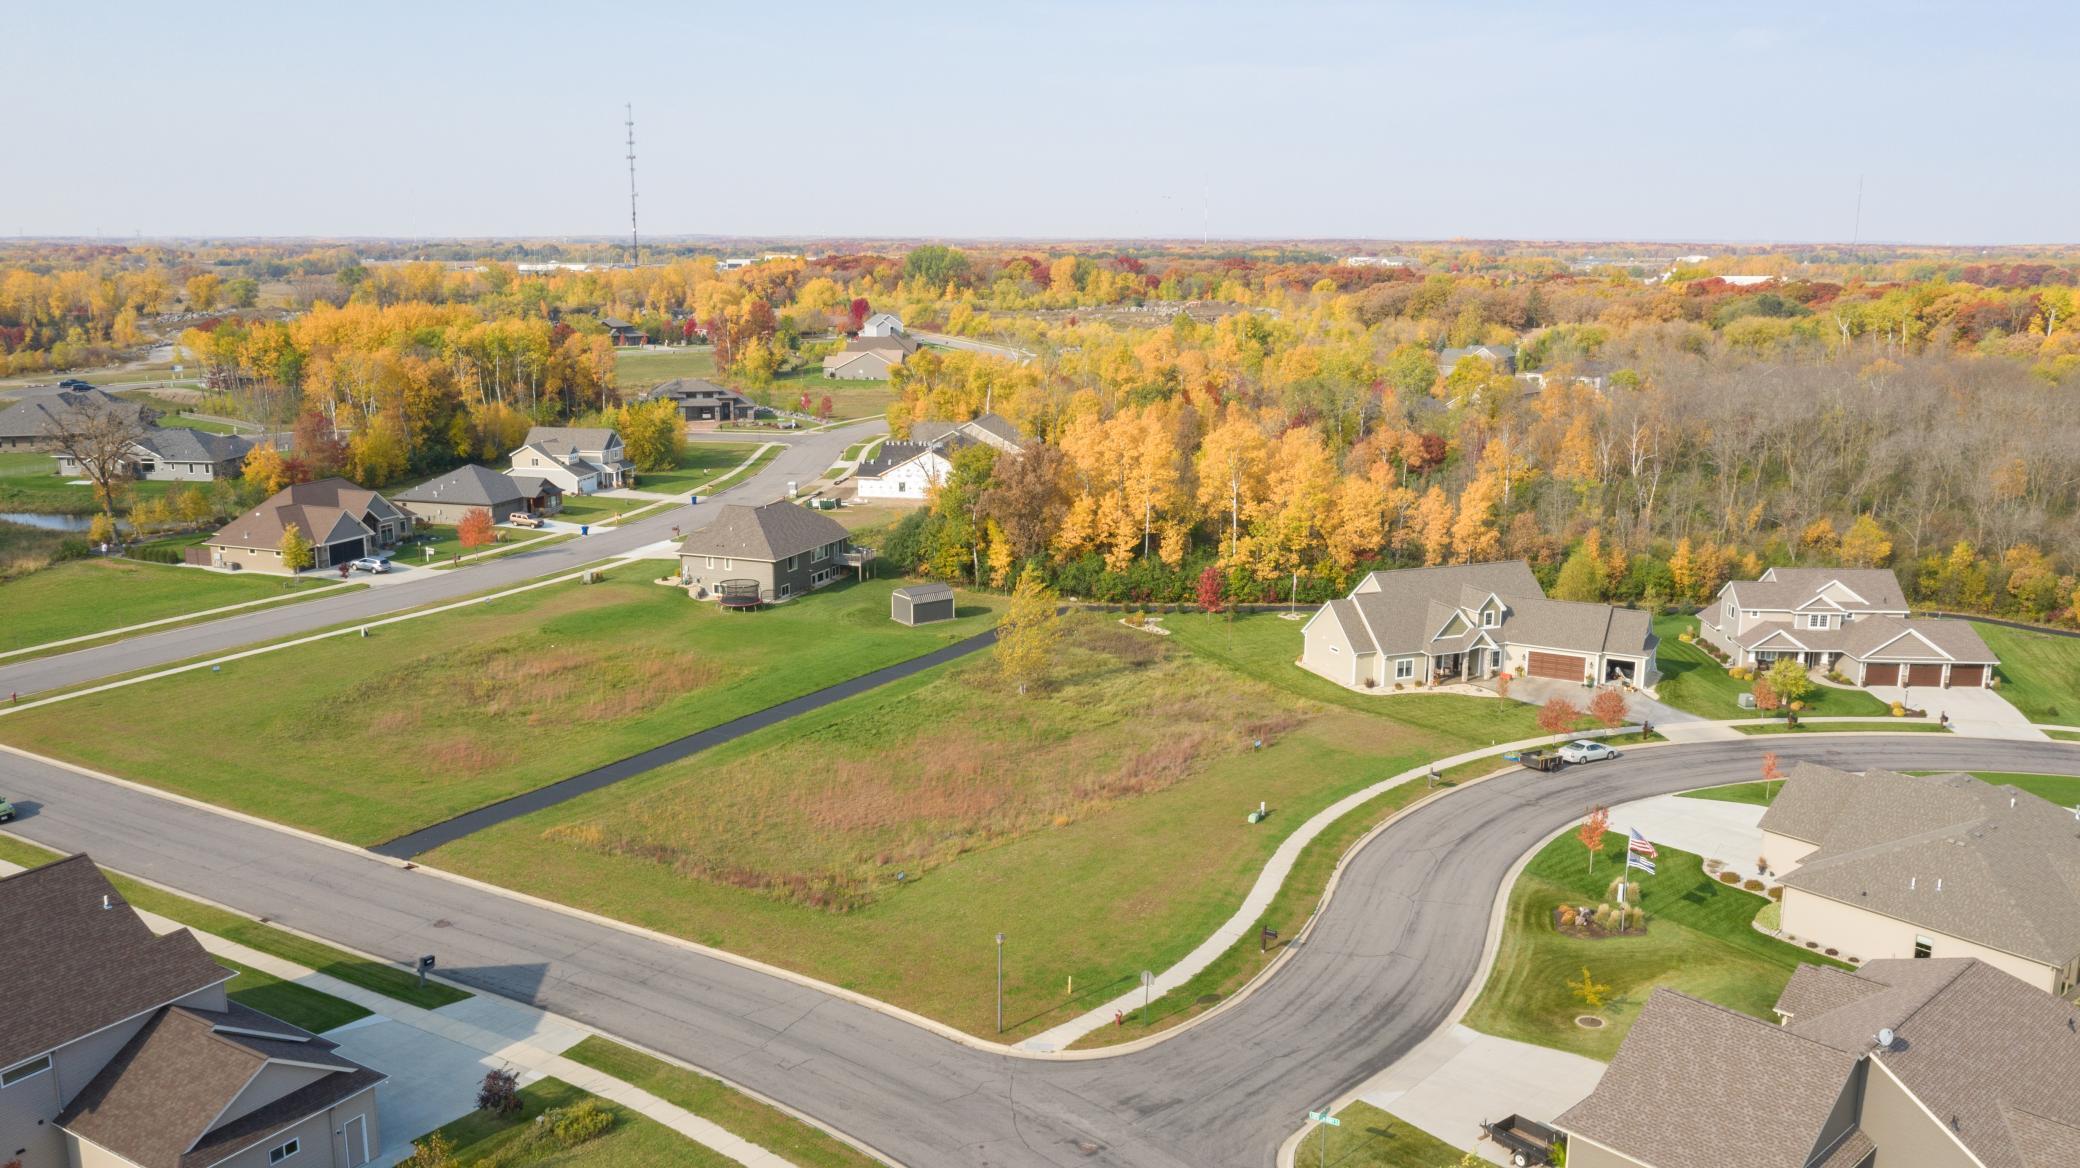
{"x": 903, "y": 470}
{"x": 882, "y": 324}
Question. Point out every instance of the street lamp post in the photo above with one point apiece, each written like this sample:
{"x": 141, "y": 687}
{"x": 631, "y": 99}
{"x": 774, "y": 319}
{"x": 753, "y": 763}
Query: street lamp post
{"x": 1000, "y": 983}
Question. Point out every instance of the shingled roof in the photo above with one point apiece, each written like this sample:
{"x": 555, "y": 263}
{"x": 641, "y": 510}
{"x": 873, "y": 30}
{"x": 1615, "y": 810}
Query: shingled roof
{"x": 469, "y": 486}
{"x": 1789, "y": 589}
{"x": 71, "y": 967}
{"x": 35, "y": 417}
{"x": 772, "y": 532}
{"x": 180, "y": 444}
{"x": 326, "y": 510}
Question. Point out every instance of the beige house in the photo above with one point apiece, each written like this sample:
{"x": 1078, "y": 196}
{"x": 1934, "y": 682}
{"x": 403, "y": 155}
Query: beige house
{"x": 122, "y": 1050}
{"x": 781, "y": 550}
{"x": 1889, "y": 865}
{"x": 862, "y": 364}
{"x": 343, "y": 522}
{"x": 450, "y": 497}
{"x": 1848, "y": 619}
{"x": 1946, "y": 1063}
{"x": 1465, "y": 622}
{"x": 578, "y": 459}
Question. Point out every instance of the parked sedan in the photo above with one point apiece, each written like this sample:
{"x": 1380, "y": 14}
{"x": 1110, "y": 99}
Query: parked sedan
{"x": 1584, "y": 750}
{"x": 372, "y": 564}
{"x": 6, "y": 811}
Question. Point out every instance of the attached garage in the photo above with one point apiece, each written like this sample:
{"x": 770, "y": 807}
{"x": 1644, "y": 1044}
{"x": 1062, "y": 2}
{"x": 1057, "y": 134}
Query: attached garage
{"x": 344, "y": 552}
{"x": 1887, "y": 674}
{"x": 1924, "y": 674}
{"x": 1559, "y": 666}
{"x": 1967, "y": 675}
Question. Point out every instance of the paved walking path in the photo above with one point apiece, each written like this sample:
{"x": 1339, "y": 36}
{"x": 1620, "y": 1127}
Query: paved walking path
{"x": 437, "y": 1058}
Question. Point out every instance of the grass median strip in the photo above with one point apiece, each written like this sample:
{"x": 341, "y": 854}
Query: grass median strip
{"x": 297, "y": 1005}
{"x": 799, "y": 1143}
{"x": 388, "y": 980}
{"x": 1900, "y": 727}
{"x": 615, "y": 1138}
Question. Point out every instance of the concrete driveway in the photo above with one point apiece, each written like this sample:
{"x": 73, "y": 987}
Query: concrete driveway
{"x": 1676, "y": 724}
{"x": 1974, "y": 711}
{"x": 1712, "y": 828}
{"x": 1460, "y": 1077}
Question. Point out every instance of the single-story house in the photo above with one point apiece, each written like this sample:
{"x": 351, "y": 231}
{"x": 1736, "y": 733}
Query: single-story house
{"x": 455, "y": 494}
{"x": 1946, "y": 1063}
{"x": 882, "y": 324}
{"x": 176, "y": 454}
{"x": 27, "y": 424}
{"x": 862, "y": 364}
{"x": 541, "y": 496}
{"x": 1502, "y": 357}
{"x": 921, "y": 604}
{"x": 1889, "y": 865}
{"x": 784, "y": 548}
{"x": 122, "y": 1049}
{"x": 1851, "y": 620}
{"x": 1422, "y": 626}
{"x": 624, "y": 333}
{"x": 703, "y": 401}
{"x": 579, "y": 459}
{"x": 343, "y": 522}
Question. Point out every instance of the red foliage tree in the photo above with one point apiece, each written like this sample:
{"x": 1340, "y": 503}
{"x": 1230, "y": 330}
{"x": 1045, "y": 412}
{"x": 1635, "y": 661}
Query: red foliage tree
{"x": 1766, "y": 698}
{"x": 1558, "y": 715}
{"x": 318, "y": 445}
{"x": 1770, "y": 773}
{"x": 857, "y": 315}
{"x": 1210, "y": 584}
{"x": 475, "y": 530}
{"x": 824, "y": 407}
{"x": 1591, "y": 832}
{"x": 1608, "y": 707}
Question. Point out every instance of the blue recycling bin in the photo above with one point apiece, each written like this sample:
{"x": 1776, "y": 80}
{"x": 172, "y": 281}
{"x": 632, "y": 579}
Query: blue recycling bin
{"x": 584, "y": 529}
{"x": 692, "y": 500}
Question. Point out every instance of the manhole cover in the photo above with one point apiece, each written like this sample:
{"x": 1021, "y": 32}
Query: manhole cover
{"x": 1589, "y": 1022}
{"x": 443, "y": 924}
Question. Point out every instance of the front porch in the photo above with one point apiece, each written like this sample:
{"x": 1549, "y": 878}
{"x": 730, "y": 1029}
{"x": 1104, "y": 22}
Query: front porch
{"x": 1470, "y": 665}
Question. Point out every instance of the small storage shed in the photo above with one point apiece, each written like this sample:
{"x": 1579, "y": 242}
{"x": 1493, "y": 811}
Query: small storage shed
{"x": 921, "y": 604}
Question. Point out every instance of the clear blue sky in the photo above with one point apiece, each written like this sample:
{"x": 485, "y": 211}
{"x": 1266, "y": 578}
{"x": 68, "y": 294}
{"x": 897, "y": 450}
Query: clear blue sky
{"x": 1662, "y": 120}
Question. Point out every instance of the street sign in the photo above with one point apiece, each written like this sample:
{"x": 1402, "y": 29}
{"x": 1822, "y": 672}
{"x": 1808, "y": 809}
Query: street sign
{"x": 1324, "y": 1117}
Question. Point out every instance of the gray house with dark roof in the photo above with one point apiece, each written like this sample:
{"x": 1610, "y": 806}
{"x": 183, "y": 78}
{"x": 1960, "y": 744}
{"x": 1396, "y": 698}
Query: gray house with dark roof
{"x": 1881, "y": 864}
{"x": 176, "y": 454}
{"x": 1944, "y": 1063}
{"x": 1466, "y": 622}
{"x": 784, "y": 548}
{"x": 122, "y": 1050}
{"x": 698, "y": 400}
{"x": 463, "y": 490}
{"x": 1848, "y": 619}
{"x": 27, "y": 424}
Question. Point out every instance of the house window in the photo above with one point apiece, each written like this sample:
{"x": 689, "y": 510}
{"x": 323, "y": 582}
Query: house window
{"x": 1753, "y": 613}
{"x": 1489, "y": 618}
{"x": 1923, "y": 947}
{"x": 1404, "y": 669}
{"x": 822, "y": 553}
{"x": 793, "y": 562}
{"x": 1816, "y": 620}
{"x": 20, "y": 1071}
{"x": 786, "y": 590}
{"x": 276, "y": 1155}
{"x": 711, "y": 561}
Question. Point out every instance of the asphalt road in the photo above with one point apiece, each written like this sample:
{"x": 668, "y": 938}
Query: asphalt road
{"x": 1382, "y": 967}
{"x": 806, "y": 458}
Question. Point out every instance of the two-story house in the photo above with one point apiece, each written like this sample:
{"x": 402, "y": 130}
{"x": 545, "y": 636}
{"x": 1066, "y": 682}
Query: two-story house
{"x": 910, "y": 469}
{"x": 121, "y": 1049}
{"x": 772, "y": 553}
{"x": 1853, "y": 620}
{"x": 578, "y": 459}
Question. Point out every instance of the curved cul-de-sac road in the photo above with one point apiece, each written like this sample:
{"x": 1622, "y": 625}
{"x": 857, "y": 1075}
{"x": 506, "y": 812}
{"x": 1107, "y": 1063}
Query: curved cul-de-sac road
{"x": 1383, "y": 966}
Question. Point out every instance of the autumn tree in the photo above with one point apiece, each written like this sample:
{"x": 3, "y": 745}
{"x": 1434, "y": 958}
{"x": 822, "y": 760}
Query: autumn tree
{"x": 1766, "y": 699}
{"x": 652, "y": 435}
{"x": 1581, "y": 577}
{"x": 1210, "y": 586}
{"x": 1558, "y": 715}
{"x": 1588, "y": 990}
{"x": 1865, "y": 544}
{"x": 475, "y": 529}
{"x": 1592, "y": 831}
{"x": 266, "y": 469}
{"x": 1028, "y": 496}
{"x": 1608, "y": 707}
{"x": 1788, "y": 677}
{"x": 99, "y": 434}
{"x": 1770, "y": 774}
{"x": 1031, "y": 628}
{"x": 296, "y": 549}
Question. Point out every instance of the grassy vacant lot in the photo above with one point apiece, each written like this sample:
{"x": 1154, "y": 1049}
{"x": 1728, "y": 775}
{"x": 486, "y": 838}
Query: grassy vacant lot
{"x": 639, "y": 369}
{"x": 481, "y": 1140}
{"x": 770, "y": 1128}
{"x": 367, "y": 738}
{"x": 2039, "y": 672}
{"x": 1371, "y": 1138}
{"x": 297, "y": 1005}
{"x": 89, "y": 596}
{"x": 389, "y": 980}
{"x": 880, "y": 843}
{"x": 30, "y": 482}
{"x": 2063, "y": 790}
{"x": 1700, "y": 939}
{"x": 1691, "y": 680}
{"x": 699, "y": 464}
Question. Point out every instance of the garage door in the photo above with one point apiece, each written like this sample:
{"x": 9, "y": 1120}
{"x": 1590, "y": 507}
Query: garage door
{"x": 1967, "y": 675}
{"x": 345, "y": 552}
{"x": 1881, "y": 674}
{"x": 1924, "y": 675}
{"x": 1556, "y": 665}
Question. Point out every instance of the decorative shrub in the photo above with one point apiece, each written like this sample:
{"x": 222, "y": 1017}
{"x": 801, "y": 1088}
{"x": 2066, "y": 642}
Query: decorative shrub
{"x": 1567, "y": 918}
{"x": 1373, "y": 683}
{"x": 1635, "y": 917}
{"x": 584, "y": 1120}
{"x": 1898, "y": 710}
{"x": 1776, "y": 893}
{"x": 1729, "y": 878}
{"x": 1812, "y": 944}
{"x": 1797, "y": 706}
{"x": 1752, "y": 885}
{"x": 1832, "y": 952}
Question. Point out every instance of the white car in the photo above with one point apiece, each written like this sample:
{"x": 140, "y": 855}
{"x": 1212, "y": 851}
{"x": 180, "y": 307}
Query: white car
{"x": 1583, "y": 750}
{"x": 371, "y": 564}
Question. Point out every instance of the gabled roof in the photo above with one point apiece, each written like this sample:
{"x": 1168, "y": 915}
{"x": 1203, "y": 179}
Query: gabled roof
{"x": 1694, "y": 1081}
{"x": 69, "y": 967}
{"x": 840, "y": 360}
{"x": 994, "y": 429}
{"x": 163, "y": 1100}
{"x": 571, "y": 439}
{"x": 682, "y": 388}
{"x": 1954, "y": 854}
{"x": 530, "y": 486}
{"x": 772, "y": 532}
{"x": 1888, "y": 637}
{"x": 893, "y": 454}
{"x": 1394, "y": 606}
{"x": 34, "y": 417}
{"x": 469, "y": 486}
{"x": 326, "y": 511}
{"x": 1788, "y": 589}
{"x": 180, "y": 444}
{"x": 922, "y": 592}
{"x": 900, "y": 342}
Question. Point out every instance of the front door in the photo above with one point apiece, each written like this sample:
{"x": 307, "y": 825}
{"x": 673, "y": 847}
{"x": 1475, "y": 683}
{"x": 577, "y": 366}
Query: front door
{"x": 357, "y": 1141}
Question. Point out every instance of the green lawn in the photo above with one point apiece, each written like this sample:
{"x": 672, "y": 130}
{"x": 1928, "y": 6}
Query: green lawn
{"x": 598, "y": 509}
{"x": 83, "y": 597}
{"x": 946, "y": 809}
{"x": 29, "y": 482}
{"x": 1371, "y": 1138}
{"x": 366, "y": 738}
{"x": 297, "y": 1005}
{"x": 447, "y": 544}
{"x": 2063, "y": 790}
{"x": 1757, "y": 794}
{"x": 1699, "y": 939}
{"x": 2039, "y": 673}
{"x": 699, "y": 464}
{"x": 388, "y": 980}
{"x": 1691, "y": 680}
{"x": 1900, "y": 726}
{"x": 206, "y": 425}
{"x": 640, "y": 369}
{"x": 800, "y": 1144}
{"x": 730, "y": 480}
{"x": 516, "y": 1141}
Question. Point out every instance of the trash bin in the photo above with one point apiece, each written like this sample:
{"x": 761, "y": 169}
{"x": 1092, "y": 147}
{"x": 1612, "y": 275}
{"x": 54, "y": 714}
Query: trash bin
{"x": 584, "y": 529}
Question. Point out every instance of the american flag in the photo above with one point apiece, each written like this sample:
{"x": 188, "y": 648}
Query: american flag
{"x": 1638, "y": 843}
